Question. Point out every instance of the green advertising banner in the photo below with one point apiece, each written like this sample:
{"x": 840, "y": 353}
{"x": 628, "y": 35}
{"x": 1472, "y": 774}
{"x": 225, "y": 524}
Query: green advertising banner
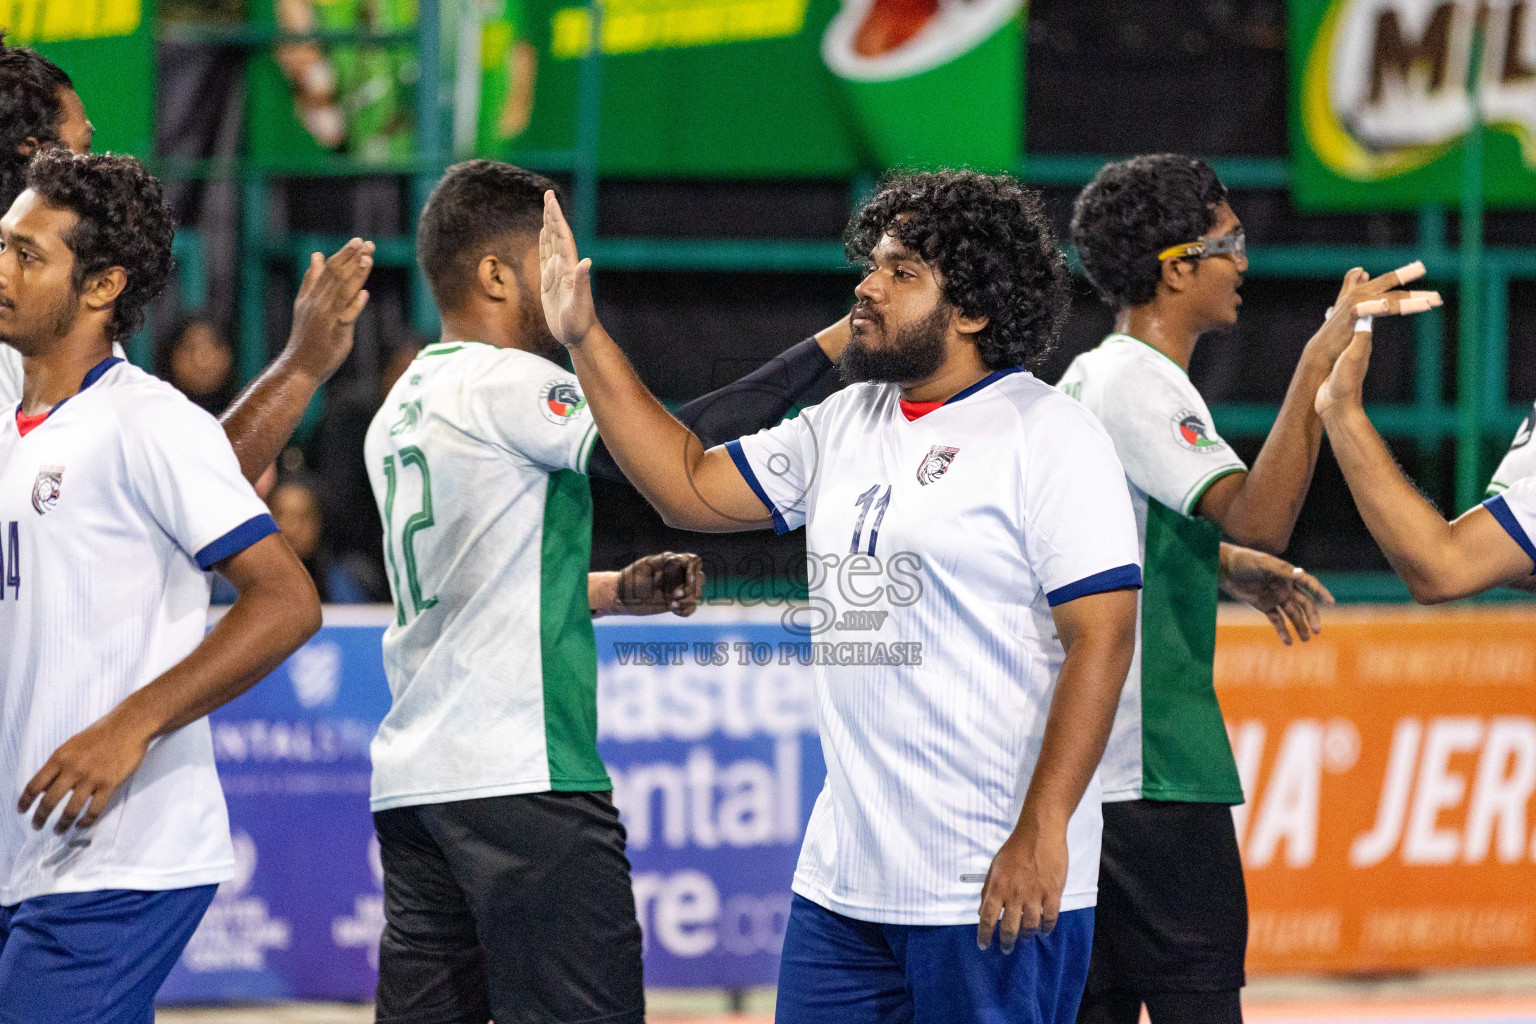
{"x": 1380, "y": 105}
{"x": 689, "y": 87}
{"x": 108, "y": 48}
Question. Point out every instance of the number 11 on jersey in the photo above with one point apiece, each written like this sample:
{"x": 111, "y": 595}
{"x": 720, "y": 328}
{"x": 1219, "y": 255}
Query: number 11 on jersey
{"x": 874, "y": 499}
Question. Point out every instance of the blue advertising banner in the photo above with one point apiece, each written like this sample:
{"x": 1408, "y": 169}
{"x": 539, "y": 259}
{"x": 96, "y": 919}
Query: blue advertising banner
{"x": 708, "y": 730}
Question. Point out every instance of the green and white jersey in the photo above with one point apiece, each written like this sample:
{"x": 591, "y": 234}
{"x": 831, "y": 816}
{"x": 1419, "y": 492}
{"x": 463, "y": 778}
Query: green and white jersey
{"x": 1169, "y": 741}
{"x": 1518, "y": 463}
{"x": 477, "y": 460}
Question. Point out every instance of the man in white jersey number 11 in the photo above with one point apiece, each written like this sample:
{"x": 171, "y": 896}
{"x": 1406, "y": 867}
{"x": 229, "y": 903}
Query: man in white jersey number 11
{"x": 117, "y": 494}
{"x": 949, "y": 866}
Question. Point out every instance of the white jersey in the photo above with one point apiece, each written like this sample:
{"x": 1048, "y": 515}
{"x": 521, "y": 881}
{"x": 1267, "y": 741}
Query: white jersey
{"x": 111, "y": 510}
{"x": 1169, "y": 740}
{"x": 11, "y": 371}
{"x": 1519, "y": 462}
{"x": 1515, "y": 509}
{"x": 938, "y": 548}
{"x": 10, "y": 376}
{"x": 476, "y": 461}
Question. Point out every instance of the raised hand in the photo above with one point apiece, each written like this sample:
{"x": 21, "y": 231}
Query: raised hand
{"x": 330, "y": 299}
{"x": 1384, "y": 295}
{"x": 1344, "y": 388}
{"x": 565, "y": 280}
{"x": 1287, "y": 595}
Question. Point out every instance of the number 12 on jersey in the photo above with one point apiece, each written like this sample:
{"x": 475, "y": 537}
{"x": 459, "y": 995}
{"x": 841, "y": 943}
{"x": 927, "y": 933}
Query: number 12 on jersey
{"x": 419, "y": 520}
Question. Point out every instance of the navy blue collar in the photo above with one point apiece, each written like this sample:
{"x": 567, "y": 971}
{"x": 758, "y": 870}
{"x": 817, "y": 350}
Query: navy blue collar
{"x": 92, "y": 375}
{"x": 988, "y": 379}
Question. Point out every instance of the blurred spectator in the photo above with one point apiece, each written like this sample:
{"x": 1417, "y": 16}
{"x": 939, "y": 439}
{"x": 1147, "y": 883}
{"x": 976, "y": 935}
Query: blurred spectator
{"x": 296, "y": 507}
{"x": 199, "y": 362}
{"x": 336, "y": 453}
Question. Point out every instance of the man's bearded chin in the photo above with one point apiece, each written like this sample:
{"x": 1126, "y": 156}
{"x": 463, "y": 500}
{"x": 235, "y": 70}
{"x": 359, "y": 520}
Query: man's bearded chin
{"x": 60, "y": 321}
{"x": 915, "y": 353}
{"x": 536, "y": 328}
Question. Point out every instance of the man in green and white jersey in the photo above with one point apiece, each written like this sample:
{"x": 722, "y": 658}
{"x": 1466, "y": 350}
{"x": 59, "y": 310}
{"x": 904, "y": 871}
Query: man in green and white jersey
{"x": 1163, "y": 248}
{"x": 506, "y": 888}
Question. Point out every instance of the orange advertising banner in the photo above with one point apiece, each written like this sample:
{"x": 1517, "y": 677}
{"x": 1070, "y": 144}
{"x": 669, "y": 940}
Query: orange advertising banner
{"x": 1389, "y": 766}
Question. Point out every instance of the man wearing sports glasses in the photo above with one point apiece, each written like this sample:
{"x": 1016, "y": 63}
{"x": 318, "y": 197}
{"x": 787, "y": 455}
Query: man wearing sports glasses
{"x": 1161, "y": 246}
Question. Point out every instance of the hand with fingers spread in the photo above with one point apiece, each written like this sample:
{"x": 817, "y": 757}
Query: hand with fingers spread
{"x": 88, "y": 769}
{"x": 660, "y": 583}
{"x": 566, "y": 281}
{"x": 1382, "y": 295}
{"x": 1022, "y": 894}
{"x": 331, "y": 298}
{"x": 1283, "y": 592}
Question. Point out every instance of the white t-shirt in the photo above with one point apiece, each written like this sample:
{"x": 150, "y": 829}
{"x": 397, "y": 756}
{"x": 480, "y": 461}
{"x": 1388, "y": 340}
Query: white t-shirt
{"x": 476, "y": 461}
{"x": 943, "y": 543}
{"x": 1169, "y": 741}
{"x": 10, "y": 375}
{"x": 1515, "y": 509}
{"x": 111, "y": 510}
{"x": 1519, "y": 462}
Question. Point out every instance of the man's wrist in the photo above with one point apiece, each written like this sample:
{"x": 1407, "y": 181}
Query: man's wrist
{"x": 1345, "y": 416}
{"x": 293, "y": 362}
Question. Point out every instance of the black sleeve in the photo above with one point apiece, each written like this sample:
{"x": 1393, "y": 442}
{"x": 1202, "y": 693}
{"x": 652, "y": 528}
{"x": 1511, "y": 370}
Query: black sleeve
{"x": 758, "y": 400}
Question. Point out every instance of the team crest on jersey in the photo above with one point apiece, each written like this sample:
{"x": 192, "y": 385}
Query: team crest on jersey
{"x": 410, "y": 418}
{"x": 560, "y": 400}
{"x": 935, "y": 463}
{"x": 1189, "y": 430}
{"x": 45, "y": 489}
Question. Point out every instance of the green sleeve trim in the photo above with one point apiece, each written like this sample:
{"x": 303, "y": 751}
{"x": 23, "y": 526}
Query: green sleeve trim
{"x": 584, "y": 452}
{"x": 1494, "y": 487}
{"x": 1198, "y": 491}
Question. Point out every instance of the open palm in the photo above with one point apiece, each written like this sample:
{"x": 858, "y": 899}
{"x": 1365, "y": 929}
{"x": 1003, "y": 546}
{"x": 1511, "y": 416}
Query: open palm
{"x": 565, "y": 280}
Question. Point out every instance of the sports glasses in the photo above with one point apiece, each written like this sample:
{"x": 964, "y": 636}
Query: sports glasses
{"x": 1234, "y": 244}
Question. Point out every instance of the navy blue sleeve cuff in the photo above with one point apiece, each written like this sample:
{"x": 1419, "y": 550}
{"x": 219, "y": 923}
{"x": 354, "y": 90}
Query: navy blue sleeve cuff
{"x": 236, "y": 540}
{"x": 740, "y": 458}
{"x": 1501, "y": 511}
{"x": 1119, "y": 577}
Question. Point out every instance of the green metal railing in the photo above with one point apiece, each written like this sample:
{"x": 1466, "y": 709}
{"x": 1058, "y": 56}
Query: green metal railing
{"x": 1481, "y": 276}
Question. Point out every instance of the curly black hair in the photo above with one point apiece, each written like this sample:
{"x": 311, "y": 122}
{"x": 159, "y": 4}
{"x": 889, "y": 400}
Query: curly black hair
{"x": 1134, "y": 209}
{"x": 990, "y": 241}
{"x": 476, "y": 205}
{"x": 124, "y": 222}
{"x": 29, "y": 108}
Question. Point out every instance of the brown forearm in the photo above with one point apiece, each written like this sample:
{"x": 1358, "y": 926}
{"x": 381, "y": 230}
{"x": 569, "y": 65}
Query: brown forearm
{"x": 603, "y": 593}
{"x": 1082, "y": 710}
{"x": 1265, "y": 509}
{"x": 262, "y": 419}
{"x": 272, "y": 618}
{"x": 1409, "y": 530}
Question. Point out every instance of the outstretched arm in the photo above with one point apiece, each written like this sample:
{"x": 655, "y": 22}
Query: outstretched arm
{"x": 331, "y": 297}
{"x": 648, "y": 586}
{"x": 759, "y": 400}
{"x": 277, "y": 611}
{"x": 693, "y": 488}
{"x": 1439, "y": 561}
{"x": 1259, "y": 508}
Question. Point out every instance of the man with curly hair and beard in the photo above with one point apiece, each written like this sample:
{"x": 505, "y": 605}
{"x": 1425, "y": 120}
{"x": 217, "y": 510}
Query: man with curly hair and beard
{"x": 986, "y": 516}
{"x": 1163, "y": 248}
{"x": 117, "y": 495}
{"x": 39, "y": 109}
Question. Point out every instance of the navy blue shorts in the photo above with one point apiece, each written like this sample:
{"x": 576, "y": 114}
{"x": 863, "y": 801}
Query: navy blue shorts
{"x": 836, "y": 970}
{"x": 93, "y": 957}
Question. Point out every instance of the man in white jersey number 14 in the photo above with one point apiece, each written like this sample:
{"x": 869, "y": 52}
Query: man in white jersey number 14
{"x": 116, "y": 495}
{"x": 986, "y": 515}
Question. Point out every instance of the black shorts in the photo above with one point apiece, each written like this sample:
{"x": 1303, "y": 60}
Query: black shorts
{"x": 1173, "y": 910}
{"x": 517, "y": 908}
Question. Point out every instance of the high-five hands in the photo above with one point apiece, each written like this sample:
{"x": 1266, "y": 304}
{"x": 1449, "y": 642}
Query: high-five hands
{"x": 565, "y": 280}
{"x": 1362, "y": 295}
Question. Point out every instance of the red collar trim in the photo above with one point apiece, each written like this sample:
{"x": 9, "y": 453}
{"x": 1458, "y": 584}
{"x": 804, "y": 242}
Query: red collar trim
{"x": 914, "y": 410}
{"x": 25, "y": 424}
